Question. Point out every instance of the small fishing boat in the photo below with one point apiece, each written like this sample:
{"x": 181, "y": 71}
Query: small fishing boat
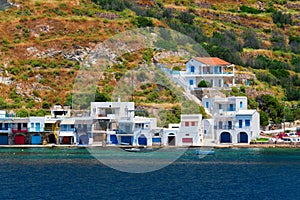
{"x": 204, "y": 152}
{"x": 133, "y": 150}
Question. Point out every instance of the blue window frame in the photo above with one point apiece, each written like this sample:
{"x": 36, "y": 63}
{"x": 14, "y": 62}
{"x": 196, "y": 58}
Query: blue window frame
{"x": 240, "y": 123}
{"x": 247, "y": 122}
{"x": 192, "y": 69}
{"x": 191, "y": 82}
{"x": 241, "y": 104}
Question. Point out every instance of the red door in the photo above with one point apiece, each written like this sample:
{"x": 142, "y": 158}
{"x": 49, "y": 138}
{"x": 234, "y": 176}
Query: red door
{"x": 19, "y": 139}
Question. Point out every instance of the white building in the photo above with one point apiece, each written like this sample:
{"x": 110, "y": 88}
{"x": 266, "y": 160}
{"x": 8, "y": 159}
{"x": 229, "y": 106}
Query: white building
{"x": 186, "y": 133}
{"x": 215, "y": 71}
{"x": 231, "y": 121}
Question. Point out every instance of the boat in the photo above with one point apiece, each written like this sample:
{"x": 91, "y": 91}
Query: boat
{"x": 133, "y": 150}
{"x": 204, "y": 152}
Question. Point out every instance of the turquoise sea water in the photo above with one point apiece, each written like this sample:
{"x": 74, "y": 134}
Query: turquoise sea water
{"x": 73, "y": 173}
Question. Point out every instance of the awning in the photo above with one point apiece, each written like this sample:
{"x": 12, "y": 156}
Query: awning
{"x": 66, "y": 133}
{"x": 50, "y": 121}
{"x": 21, "y": 120}
{"x": 68, "y": 121}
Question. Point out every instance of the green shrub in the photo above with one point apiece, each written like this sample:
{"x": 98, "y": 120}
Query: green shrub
{"x": 204, "y": 84}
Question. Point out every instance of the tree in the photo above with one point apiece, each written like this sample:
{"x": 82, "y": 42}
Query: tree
{"x": 271, "y": 106}
{"x": 264, "y": 119}
{"x": 278, "y": 40}
{"x": 250, "y": 39}
{"x": 101, "y": 97}
{"x": 281, "y": 18}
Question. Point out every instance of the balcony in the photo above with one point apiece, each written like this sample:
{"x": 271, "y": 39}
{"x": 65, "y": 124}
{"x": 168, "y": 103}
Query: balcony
{"x": 224, "y": 127}
{"x": 23, "y": 130}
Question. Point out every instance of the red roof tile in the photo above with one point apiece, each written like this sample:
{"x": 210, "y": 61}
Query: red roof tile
{"x": 211, "y": 61}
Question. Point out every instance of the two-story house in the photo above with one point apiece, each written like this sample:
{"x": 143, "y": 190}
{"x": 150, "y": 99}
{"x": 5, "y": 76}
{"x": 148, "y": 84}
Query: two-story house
{"x": 216, "y": 72}
{"x": 231, "y": 121}
{"x": 36, "y": 129}
{"x": 106, "y": 116}
{"x": 20, "y": 131}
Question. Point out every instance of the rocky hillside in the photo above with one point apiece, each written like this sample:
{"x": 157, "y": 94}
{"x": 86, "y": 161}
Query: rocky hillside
{"x": 43, "y": 44}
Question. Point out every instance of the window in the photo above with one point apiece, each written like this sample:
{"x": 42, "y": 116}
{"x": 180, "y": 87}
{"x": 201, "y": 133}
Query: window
{"x": 193, "y": 123}
{"x": 240, "y": 123}
{"x": 241, "y": 104}
{"x": 32, "y": 125}
{"x": 72, "y": 126}
{"x": 220, "y": 106}
{"x": 186, "y": 124}
{"x": 247, "y": 122}
{"x": 204, "y": 131}
{"x": 206, "y": 104}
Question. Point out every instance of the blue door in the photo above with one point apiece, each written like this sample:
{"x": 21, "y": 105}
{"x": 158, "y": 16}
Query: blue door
{"x": 192, "y": 69}
{"x": 142, "y": 141}
{"x": 113, "y": 139}
{"x": 191, "y": 82}
{"x": 36, "y": 139}
{"x": 4, "y": 139}
{"x": 243, "y": 137}
{"x": 156, "y": 140}
{"x": 126, "y": 139}
{"x": 225, "y": 137}
{"x": 231, "y": 107}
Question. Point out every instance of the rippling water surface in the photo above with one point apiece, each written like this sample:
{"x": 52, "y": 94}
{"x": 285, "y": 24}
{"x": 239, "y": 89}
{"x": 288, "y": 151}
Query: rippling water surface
{"x": 73, "y": 173}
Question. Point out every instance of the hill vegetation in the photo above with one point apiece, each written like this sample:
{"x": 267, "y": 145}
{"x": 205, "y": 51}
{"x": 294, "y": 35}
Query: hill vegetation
{"x": 43, "y": 44}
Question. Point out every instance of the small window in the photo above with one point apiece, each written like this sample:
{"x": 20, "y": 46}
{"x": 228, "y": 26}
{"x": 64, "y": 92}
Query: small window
{"x": 220, "y": 106}
{"x": 25, "y": 125}
{"x": 72, "y": 126}
{"x": 187, "y": 134}
{"x": 193, "y": 123}
{"x": 32, "y": 125}
{"x": 186, "y": 124}
{"x": 241, "y": 104}
{"x": 247, "y": 122}
{"x": 204, "y": 131}
{"x": 206, "y": 104}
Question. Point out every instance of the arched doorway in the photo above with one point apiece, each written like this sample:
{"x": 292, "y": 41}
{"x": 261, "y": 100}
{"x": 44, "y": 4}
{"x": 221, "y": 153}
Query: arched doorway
{"x": 242, "y": 137}
{"x": 225, "y": 137}
{"x": 171, "y": 139}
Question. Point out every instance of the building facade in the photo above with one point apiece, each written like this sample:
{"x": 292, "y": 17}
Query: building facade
{"x": 231, "y": 121}
{"x": 216, "y": 72}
